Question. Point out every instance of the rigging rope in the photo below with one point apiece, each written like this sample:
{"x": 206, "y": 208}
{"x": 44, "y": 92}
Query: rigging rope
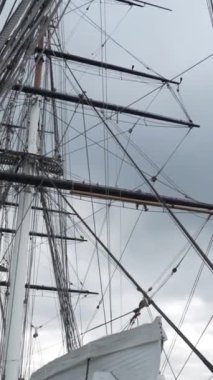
{"x": 141, "y": 290}
{"x": 96, "y": 26}
{"x": 152, "y": 188}
{"x": 98, "y": 114}
{"x": 210, "y": 8}
{"x": 94, "y": 222}
{"x": 115, "y": 269}
{"x": 198, "y": 249}
{"x": 198, "y": 340}
{"x": 188, "y": 303}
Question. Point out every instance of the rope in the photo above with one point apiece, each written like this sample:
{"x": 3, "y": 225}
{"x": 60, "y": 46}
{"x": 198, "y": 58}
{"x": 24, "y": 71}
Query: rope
{"x": 196, "y": 344}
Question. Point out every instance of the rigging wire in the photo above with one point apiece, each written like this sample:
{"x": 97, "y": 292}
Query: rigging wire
{"x": 167, "y": 210}
{"x": 116, "y": 267}
{"x": 189, "y": 300}
{"x": 155, "y": 177}
{"x": 87, "y": 3}
{"x": 145, "y": 156}
{"x": 210, "y": 8}
{"x": 193, "y": 66}
{"x": 173, "y": 185}
{"x": 181, "y": 191}
{"x": 145, "y": 65}
{"x": 182, "y": 73}
{"x": 87, "y": 272}
{"x": 30, "y": 73}
{"x": 152, "y": 188}
{"x": 33, "y": 276}
{"x": 107, "y": 322}
{"x": 94, "y": 222}
{"x": 108, "y": 37}
{"x": 147, "y": 299}
{"x": 2, "y": 4}
{"x": 103, "y": 25}
{"x": 196, "y": 344}
{"x": 27, "y": 291}
{"x": 96, "y": 26}
{"x": 178, "y": 100}
{"x": 183, "y": 252}
{"x": 158, "y": 88}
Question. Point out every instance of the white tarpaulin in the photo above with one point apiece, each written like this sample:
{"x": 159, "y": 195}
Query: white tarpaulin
{"x": 130, "y": 354}
{"x": 102, "y": 376}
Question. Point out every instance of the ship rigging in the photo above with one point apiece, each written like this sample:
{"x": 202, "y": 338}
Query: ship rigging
{"x": 51, "y": 202}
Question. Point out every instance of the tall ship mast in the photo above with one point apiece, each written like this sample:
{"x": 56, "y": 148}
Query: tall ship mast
{"x": 95, "y": 232}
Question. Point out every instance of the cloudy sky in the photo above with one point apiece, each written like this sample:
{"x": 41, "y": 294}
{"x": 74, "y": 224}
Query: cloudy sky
{"x": 168, "y": 43}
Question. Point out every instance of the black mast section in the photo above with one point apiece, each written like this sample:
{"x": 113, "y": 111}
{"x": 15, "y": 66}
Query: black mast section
{"x": 109, "y": 66}
{"x": 81, "y": 99}
{"x": 110, "y": 193}
{"x": 52, "y": 288}
{"x": 141, "y": 3}
{"x": 42, "y": 235}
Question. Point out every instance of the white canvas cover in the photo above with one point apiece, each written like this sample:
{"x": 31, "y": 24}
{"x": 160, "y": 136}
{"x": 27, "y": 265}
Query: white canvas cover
{"x": 133, "y": 354}
{"x": 102, "y": 376}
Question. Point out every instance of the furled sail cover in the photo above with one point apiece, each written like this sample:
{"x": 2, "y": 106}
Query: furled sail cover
{"x": 133, "y": 354}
